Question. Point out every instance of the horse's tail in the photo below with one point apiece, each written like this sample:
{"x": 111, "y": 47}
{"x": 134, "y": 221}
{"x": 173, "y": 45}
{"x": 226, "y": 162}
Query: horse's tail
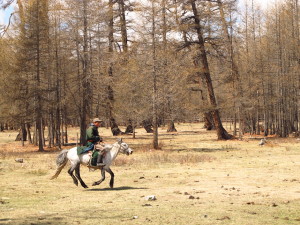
{"x": 61, "y": 161}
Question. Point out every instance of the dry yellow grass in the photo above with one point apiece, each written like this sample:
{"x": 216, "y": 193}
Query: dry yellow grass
{"x": 195, "y": 178}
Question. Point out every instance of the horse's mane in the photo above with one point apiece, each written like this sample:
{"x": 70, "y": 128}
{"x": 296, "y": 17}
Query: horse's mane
{"x": 109, "y": 147}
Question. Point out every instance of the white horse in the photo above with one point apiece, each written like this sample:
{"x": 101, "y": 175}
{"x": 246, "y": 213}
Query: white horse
{"x": 75, "y": 159}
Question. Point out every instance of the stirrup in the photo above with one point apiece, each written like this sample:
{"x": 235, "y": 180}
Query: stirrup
{"x": 100, "y": 164}
{"x": 95, "y": 167}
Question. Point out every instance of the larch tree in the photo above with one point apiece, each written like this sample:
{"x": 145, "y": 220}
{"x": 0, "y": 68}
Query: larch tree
{"x": 204, "y": 72}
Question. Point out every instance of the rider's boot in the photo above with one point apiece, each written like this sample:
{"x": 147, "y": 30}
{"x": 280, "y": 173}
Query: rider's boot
{"x": 99, "y": 160}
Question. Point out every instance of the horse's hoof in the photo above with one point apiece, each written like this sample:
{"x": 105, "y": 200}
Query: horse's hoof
{"x": 86, "y": 187}
{"x": 95, "y": 183}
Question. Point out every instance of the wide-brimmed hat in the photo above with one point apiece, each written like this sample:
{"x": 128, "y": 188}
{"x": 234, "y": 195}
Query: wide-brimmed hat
{"x": 97, "y": 120}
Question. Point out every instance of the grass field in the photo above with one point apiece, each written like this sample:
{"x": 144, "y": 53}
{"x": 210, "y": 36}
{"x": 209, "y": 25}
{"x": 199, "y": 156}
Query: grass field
{"x": 195, "y": 178}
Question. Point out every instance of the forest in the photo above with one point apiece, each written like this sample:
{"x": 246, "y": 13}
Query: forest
{"x": 149, "y": 63}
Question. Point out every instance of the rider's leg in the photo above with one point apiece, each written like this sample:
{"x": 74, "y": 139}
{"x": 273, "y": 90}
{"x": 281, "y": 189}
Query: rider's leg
{"x": 88, "y": 148}
{"x": 100, "y": 159}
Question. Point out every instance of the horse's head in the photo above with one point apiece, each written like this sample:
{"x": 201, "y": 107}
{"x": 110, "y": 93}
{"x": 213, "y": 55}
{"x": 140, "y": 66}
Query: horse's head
{"x": 124, "y": 148}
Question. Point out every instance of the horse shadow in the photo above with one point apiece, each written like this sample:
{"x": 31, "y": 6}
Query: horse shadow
{"x": 122, "y": 188}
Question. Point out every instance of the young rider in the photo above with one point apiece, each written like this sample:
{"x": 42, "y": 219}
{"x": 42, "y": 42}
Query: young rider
{"x": 93, "y": 137}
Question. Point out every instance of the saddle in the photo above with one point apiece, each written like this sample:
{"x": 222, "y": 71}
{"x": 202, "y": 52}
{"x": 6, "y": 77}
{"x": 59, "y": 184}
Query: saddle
{"x": 98, "y": 149}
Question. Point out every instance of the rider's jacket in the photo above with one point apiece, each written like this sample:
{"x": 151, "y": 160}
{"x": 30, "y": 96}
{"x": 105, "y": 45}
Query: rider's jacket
{"x": 92, "y": 134}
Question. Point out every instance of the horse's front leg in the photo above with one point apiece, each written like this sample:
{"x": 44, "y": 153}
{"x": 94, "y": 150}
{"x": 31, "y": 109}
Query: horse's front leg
{"x": 112, "y": 177}
{"x": 77, "y": 173}
{"x": 102, "y": 178}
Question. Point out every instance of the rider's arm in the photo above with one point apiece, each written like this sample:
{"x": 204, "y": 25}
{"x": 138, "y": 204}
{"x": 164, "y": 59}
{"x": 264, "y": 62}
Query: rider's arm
{"x": 95, "y": 134}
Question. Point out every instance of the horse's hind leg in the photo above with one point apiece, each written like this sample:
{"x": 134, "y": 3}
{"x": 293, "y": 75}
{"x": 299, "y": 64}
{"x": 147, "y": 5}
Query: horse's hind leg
{"x": 102, "y": 178}
{"x": 77, "y": 174}
{"x": 70, "y": 171}
{"x": 112, "y": 177}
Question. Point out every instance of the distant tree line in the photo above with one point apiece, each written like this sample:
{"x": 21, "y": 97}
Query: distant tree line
{"x": 149, "y": 63}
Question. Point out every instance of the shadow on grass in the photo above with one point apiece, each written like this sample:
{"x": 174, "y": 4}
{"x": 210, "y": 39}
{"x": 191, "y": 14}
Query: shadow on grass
{"x": 36, "y": 220}
{"x": 122, "y": 188}
{"x": 226, "y": 148}
{"x": 89, "y": 216}
{"x": 212, "y": 149}
{"x": 188, "y": 132}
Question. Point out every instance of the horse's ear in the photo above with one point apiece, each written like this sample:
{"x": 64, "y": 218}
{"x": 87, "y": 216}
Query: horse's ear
{"x": 120, "y": 140}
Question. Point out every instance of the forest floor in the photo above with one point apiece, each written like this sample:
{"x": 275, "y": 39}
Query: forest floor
{"x": 195, "y": 178}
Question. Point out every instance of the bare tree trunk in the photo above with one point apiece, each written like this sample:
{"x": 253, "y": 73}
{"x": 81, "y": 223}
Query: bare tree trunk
{"x": 50, "y": 130}
{"x": 110, "y": 93}
{"x": 133, "y": 133}
{"x": 257, "y": 114}
{"x": 123, "y": 25}
{"x": 234, "y": 124}
{"x": 38, "y": 110}
{"x": 208, "y": 121}
{"x": 168, "y": 107}
{"x": 298, "y": 66}
{"x": 66, "y": 134}
{"x": 28, "y": 133}
{"x": 221, "y": 132}
{"x": 154, "y": 74}
{"x": 35, "y": 136}
{"x": 22, "y": 135}
{"x": 85, "y": 85}
{"x": 236, "y": 79}
{"x": 57, "y": 91}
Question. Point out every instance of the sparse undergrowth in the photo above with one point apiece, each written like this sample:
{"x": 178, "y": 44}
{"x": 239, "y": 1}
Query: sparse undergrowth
{"x": 155, "y": 158}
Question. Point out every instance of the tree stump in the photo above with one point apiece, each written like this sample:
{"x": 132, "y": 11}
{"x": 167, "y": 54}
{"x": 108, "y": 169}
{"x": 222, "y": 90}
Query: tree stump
{"x": 114, "y": 128}
{"x": 147, "y": 124}
{"x": 171, "y": 127}
{"x": 19, "y": 136}
{"x": 129, "y": 128}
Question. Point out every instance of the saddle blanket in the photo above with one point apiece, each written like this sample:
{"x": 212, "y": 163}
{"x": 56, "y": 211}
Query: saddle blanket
{"x": 95, "y": 154}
